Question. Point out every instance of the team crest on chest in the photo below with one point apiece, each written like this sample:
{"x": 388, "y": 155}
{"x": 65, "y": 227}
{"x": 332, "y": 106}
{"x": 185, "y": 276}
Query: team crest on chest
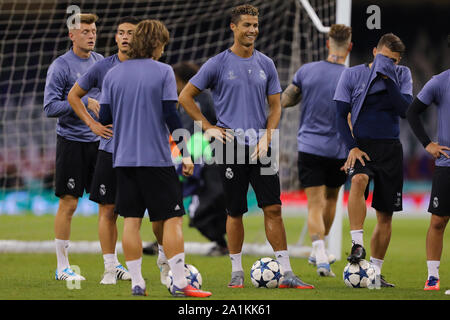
{"x": 262, "y": 74}
{"x": 231, "y": 75}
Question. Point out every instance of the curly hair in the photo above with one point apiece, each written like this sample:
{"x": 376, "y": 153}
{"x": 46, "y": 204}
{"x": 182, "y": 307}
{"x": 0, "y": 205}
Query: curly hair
{"x": 149, "y": 34}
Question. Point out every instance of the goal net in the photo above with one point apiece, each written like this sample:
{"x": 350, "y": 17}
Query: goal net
{"x": 33, "y": 33}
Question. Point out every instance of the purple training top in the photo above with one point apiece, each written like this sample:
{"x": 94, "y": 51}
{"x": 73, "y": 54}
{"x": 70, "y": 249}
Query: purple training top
{"x": 437, "y": 91}
{"x": 239, "y": 88}
{"x": 61, "y": 76}
{"x": 318, "y": 133}
{"x": 93, "y": 78}
{"x": 135, "y": 90}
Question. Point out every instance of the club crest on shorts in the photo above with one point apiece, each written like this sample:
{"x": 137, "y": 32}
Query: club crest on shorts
{"x": 435, "y": 202}
{"x": 229, "y": 174}
{"x": 71, "y": 183}
{"x": 102, "y": 189}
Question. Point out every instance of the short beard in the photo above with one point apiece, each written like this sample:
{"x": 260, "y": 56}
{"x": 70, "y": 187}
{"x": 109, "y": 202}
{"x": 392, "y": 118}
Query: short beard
{"x": 246, "y": 44}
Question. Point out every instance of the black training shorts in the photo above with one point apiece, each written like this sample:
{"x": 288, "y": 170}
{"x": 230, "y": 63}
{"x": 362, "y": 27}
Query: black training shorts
{"x": 156, "y": 189}
{"x": 440, "y": 192}
{"x": 104, "y": 182}
{"x": 385, "y": 169}
{"x": 239, "y": 172}
{"x": 314, "y": 171}
{"x": 75, "y": 164}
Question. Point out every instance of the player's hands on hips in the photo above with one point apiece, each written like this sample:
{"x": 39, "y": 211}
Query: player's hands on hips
{"x": 437, "y": 150}
{"x": 188, "y": 166}
{"x": 353, "y": 155}
{"x": 94, "y": 106}
{"x": 219, "y": 133}
{"x": 101, "y": 130}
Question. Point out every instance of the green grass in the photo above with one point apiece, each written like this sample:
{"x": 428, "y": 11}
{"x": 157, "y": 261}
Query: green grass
{"x": 30, "y": 276}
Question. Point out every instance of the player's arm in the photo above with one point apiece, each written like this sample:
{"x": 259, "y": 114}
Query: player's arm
{"x": 173, "y": 122}
{"x": 413, "y": 116}
{"x": 343, "y": 110}
{"x": 55, "y": 105}
{"x": 105, "y": 115}
{"x": 186, "y": 100}
{"x": 75, "y": 96}
{"x": 385, "y": 67}
{"x": 291, "y": 96}
{"x": 400, "y": 101}
{"x": 273, "y": 120}
{"x": 343, "y": 98}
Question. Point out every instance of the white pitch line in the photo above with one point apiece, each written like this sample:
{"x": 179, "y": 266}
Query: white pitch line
{"x": 202, "y": 248}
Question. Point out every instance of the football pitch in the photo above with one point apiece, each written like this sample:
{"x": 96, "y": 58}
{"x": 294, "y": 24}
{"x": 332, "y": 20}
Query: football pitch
{"x": 28, "y": 276}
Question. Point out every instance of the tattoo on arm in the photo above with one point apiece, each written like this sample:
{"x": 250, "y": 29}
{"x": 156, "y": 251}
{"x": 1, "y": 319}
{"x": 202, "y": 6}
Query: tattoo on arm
{"x": 291, "y": 96}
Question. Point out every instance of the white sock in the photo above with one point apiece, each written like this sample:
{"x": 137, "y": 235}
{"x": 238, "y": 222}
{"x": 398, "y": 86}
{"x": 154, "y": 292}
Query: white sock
{"x": 62, "y": 254}
{"x": 176, "y": 264}
{"x": 161, "y": 254}
{"x": 282, "y": 257}
{"x": 377, "y": 264}
{"x": 110, "y": 260}
{"x": 134, "y": 267}
{"x": 319, "y": 249}
{"x": 357, "y": 236}
{"x": 433, "y": 268}
{"x": 236, "y": 262}
{"x": 313, "y": 252}
{"x": 115, "y": 258}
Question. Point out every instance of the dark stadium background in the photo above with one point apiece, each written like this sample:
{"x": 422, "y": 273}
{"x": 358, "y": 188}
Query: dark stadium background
{"x": 423, "y": 25}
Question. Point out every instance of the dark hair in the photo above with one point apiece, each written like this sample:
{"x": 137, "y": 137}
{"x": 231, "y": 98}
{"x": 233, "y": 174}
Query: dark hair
{"x": 185, "y": 70}
{"x": 392, "y": 42}
{"x": 128, "y": 19}
{"x": 245, "y": 9}
{"x": 340, "y": 33}
{"x": 149, "y": 34}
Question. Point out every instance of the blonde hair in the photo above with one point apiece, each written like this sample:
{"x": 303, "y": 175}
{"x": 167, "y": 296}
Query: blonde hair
{"x": 149, "y": 35}
{"x": 340, "y": 35}
{"x": 86, "y": 18}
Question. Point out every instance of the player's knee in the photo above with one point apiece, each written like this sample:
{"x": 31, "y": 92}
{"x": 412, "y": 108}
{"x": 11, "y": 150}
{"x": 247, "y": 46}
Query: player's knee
{"x": 68, "y": 205}
{"x": 272, "y": 211}
{"x": 106, "y": 212}
{"x": 360, "y": 181}
{"x": 384, "y": 220}
{"x": 438, "y": 223}
{"x": 317, "y": 206}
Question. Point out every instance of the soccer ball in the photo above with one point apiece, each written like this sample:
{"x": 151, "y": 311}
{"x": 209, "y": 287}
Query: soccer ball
{"x": 359, "y": 275}
{"x": 193, "y": 276}
{"x": 266, "y": 273}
